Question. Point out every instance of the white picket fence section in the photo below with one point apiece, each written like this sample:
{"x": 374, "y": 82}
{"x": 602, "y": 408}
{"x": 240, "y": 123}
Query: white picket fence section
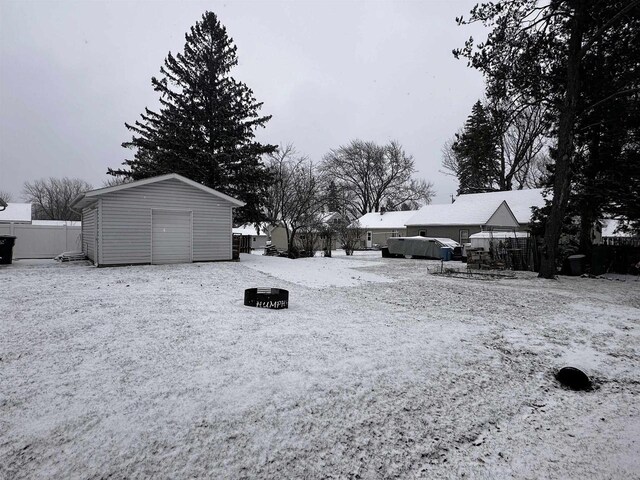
{"x": 40, "y": 241}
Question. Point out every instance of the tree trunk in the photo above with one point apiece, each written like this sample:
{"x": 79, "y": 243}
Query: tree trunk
{"x": 590, "y": 207}
{"x": 562, "y": 180}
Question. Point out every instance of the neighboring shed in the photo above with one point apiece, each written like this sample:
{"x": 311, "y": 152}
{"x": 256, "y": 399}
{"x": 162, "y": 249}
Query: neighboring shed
{"x": 16, "y": 213}
{"x": 165, "y": 219}
{"x": 485, "y": 239}
{"x": 377, "y": 227}
{"x": 460, "y": 220}
{"x": 37, "y": 238}
{"x": 278, "y": 234}
{"x": 258, "y": 237}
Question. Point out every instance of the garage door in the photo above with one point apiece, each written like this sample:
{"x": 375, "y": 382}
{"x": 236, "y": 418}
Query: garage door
{"x": 171, "y": 236}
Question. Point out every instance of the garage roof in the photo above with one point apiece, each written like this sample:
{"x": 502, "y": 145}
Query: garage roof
{"x": 91, "y": 196}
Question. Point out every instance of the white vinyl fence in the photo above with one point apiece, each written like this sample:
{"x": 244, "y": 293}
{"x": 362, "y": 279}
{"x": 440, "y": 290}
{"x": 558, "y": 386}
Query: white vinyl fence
{"x": 42, "y": 241}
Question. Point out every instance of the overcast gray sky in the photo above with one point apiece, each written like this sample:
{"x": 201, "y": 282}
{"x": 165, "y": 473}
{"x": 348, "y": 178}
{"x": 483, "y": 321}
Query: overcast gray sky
{"x": 72, "y": 72}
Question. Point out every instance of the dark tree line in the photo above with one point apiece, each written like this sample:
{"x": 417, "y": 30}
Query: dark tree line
{"x": 579, "y": 61}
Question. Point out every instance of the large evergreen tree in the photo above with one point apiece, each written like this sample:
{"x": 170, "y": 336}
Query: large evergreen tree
{"x": 475, "y": 151}
{"x": 205, "y": 127}
{"x": 607, "y": 177}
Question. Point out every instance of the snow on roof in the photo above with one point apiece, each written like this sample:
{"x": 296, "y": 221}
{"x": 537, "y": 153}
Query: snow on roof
{"x": 16, "y": 212}
{"x": 329, "y": 216}
{"x": 519, "y": 201}
{"x": 249, "y": 229}
{"x": 609, "y": 227}
{"x": 455, "y": 214}
{"x": 477, "y": 208}
{"x": 439, "y": 214}
{"x": 495, "y": 234}
{"x": 448, "y": 241}
{"x": 394, "y": 220}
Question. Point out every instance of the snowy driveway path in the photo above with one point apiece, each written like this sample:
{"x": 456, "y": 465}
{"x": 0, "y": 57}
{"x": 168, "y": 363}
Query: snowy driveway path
{"x": 394, "y": 373}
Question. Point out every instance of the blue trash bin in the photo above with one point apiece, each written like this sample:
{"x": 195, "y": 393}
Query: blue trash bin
{"x": 446, "y": 253}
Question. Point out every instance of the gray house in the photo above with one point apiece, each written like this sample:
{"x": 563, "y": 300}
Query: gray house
{"x": 165, "y": 219}
{"x": 476, "y": 212}
{"x": 458, "y": 221}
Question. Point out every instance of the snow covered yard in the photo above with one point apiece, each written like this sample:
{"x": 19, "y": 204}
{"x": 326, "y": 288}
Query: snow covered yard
{"x": 377, "y": 370}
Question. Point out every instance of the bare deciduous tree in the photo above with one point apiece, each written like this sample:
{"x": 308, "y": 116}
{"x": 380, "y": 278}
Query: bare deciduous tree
{"x": 6, "y": 196}
{"x": 116, "y": 180}
{"x": 51, "y": 198}
{"x": 521, "y": 142}
{"x": 371, "y": 176}
{"x": 349, "y": 235}
{"x": 520, "y": 147}
{"x": 294, "y": 197}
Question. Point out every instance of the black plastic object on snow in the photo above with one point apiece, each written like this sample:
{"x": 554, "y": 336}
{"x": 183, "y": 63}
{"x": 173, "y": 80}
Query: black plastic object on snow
{"x": 6, "y": 248}
{"x": 576, "y": 264}
{"x": 274, "y": 298}
{"x": 573, "y": 378}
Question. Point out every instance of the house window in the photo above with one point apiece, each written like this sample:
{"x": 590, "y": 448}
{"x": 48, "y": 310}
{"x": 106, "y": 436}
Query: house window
{"x": 464, "y": 236}
{"x": 394, "y": 233}
{"x": 422, "y": 233}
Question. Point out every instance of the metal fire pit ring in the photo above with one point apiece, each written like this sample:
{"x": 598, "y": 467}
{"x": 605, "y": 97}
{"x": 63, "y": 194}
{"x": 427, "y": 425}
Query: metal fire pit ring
{"x": 273, "y": 298}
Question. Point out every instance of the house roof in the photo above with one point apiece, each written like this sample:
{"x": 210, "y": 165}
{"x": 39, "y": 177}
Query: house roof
{"x": 477, "y": 208}
{"x": 459, "y": 214}
{"x": 520, "y": 201}
{"x": 16, "y": 212}
{"x": 89, "y": 197}
{"x": 329, "y": 217}
{"x": 392, "y": 220}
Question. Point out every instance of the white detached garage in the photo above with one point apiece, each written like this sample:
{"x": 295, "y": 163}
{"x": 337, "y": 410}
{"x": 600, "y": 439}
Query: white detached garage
{"x": 165, "y": 219}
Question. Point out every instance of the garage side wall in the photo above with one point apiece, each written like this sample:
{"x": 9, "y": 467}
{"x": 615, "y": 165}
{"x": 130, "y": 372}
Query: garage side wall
{"x": 126, "y": 222}
{"x": 89, "y": 232}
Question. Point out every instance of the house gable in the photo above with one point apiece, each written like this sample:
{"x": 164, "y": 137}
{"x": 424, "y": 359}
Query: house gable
{"x": 92, "y": 196}
{"x": 502, "y": 217}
